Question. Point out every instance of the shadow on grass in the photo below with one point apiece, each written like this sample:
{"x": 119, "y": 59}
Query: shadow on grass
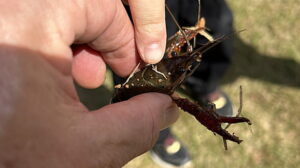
{"x": 94, "y": 98}
{"x": 250, "y": 63}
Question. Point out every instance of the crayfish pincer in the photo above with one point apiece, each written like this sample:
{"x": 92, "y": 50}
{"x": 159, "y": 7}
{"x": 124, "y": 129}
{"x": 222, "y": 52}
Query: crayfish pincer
{"x": 167, "y": 75}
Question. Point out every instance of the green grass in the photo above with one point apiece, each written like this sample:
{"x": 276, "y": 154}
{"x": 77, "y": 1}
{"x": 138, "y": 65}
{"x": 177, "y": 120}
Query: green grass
{"x": 267, "y": 65}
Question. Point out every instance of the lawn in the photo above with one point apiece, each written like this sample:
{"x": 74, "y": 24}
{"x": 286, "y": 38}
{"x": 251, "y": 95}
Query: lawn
{"x": 267, "y": 65}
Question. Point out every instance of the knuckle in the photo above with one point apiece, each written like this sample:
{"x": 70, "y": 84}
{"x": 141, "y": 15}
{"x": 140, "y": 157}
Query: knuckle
{"x": 151, "y": 27}
{"x": 150, "y": 23}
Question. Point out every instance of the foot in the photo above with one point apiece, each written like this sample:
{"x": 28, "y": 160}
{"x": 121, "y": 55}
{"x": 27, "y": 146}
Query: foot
{"x": 221, "y": 100}
{"x": 170, "y": 153}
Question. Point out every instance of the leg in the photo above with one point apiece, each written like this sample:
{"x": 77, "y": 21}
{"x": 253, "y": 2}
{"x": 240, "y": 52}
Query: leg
{"x": 204, "y": 83}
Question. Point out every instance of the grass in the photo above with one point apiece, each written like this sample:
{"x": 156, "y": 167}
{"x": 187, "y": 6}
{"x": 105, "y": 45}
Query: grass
{"x": 267, "y": 65}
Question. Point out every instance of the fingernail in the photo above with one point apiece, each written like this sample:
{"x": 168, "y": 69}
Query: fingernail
{"x": 153, "y": 53}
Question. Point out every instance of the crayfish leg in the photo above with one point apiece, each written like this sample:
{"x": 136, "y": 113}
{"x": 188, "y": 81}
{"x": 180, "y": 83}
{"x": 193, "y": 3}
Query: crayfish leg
{"x": 136, "y": 69}
{"x": 200, "y": 28}
{"x": 154, "y": 68}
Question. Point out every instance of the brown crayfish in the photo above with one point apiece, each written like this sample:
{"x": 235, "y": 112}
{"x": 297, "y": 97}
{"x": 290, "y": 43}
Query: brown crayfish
{"x": 167, "y": 75}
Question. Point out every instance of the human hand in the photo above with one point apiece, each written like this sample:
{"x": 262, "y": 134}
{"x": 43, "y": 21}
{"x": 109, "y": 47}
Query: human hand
{"x": 42, "y": 122}
{"x": 51, "y": 26}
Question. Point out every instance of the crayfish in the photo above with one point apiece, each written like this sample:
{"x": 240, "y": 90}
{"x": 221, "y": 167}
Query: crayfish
{"x": 167, "y": 75}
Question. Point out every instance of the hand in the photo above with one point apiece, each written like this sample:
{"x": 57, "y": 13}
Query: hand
{"x": 42, "y": 122}
{"x": 51, "y": 26}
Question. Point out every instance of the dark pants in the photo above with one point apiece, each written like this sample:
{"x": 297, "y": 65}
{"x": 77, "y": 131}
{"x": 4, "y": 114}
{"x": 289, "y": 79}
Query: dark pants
{"x": 215, "y": 62}
{"x": 219, "y": 21}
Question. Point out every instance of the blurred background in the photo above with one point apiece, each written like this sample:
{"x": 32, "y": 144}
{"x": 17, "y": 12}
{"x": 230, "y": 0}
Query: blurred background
{"x": 267, "y": 65}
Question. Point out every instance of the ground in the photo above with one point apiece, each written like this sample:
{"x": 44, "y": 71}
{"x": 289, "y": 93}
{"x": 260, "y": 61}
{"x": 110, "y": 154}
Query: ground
{"x": 267, "y": 65}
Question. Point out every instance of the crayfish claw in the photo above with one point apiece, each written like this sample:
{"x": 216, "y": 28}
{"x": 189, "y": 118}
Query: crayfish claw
{"x": 231, "y": 120}
{"x": 208, "y": 117}
{"x": 227, "y": 136}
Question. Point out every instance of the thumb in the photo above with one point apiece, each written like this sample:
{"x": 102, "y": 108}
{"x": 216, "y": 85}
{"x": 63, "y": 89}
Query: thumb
{"x": 131, "y": 127}
{"x": 150, "y": 28}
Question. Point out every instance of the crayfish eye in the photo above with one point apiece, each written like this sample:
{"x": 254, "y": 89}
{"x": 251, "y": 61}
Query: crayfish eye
{"x": 174, "y": 54}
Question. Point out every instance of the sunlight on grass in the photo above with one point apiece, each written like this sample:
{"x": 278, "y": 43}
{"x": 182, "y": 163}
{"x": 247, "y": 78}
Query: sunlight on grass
{"x": 267, "y": 65}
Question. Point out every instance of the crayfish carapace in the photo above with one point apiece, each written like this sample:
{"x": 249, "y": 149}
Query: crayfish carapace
{"x": 167, "y": 75}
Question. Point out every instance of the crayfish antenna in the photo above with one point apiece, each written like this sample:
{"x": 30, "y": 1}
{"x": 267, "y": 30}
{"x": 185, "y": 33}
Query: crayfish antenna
{"x": 190, "y": 48}
{"x": 136, "y": 69}
{"x": 241, "y": 105}
{"x": 198, "y": 18}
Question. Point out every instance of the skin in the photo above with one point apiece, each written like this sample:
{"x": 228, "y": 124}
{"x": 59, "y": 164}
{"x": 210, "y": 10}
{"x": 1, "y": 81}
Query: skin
{"x": 42, "y": 122}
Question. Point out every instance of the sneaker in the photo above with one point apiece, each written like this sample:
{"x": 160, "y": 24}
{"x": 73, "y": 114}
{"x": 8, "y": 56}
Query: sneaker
{"x": 222, "y": 102}
{"x": 223, "y": 105}
{"x": 195, "y": 88}
{"x": 170, "y": 153}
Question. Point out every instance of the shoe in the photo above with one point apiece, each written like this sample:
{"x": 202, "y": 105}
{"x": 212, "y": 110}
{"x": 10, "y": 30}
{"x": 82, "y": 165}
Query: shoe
{"x": 221, "y": 100}
{"x": 170, "y": 153}
{"x": 223, "y": 105}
